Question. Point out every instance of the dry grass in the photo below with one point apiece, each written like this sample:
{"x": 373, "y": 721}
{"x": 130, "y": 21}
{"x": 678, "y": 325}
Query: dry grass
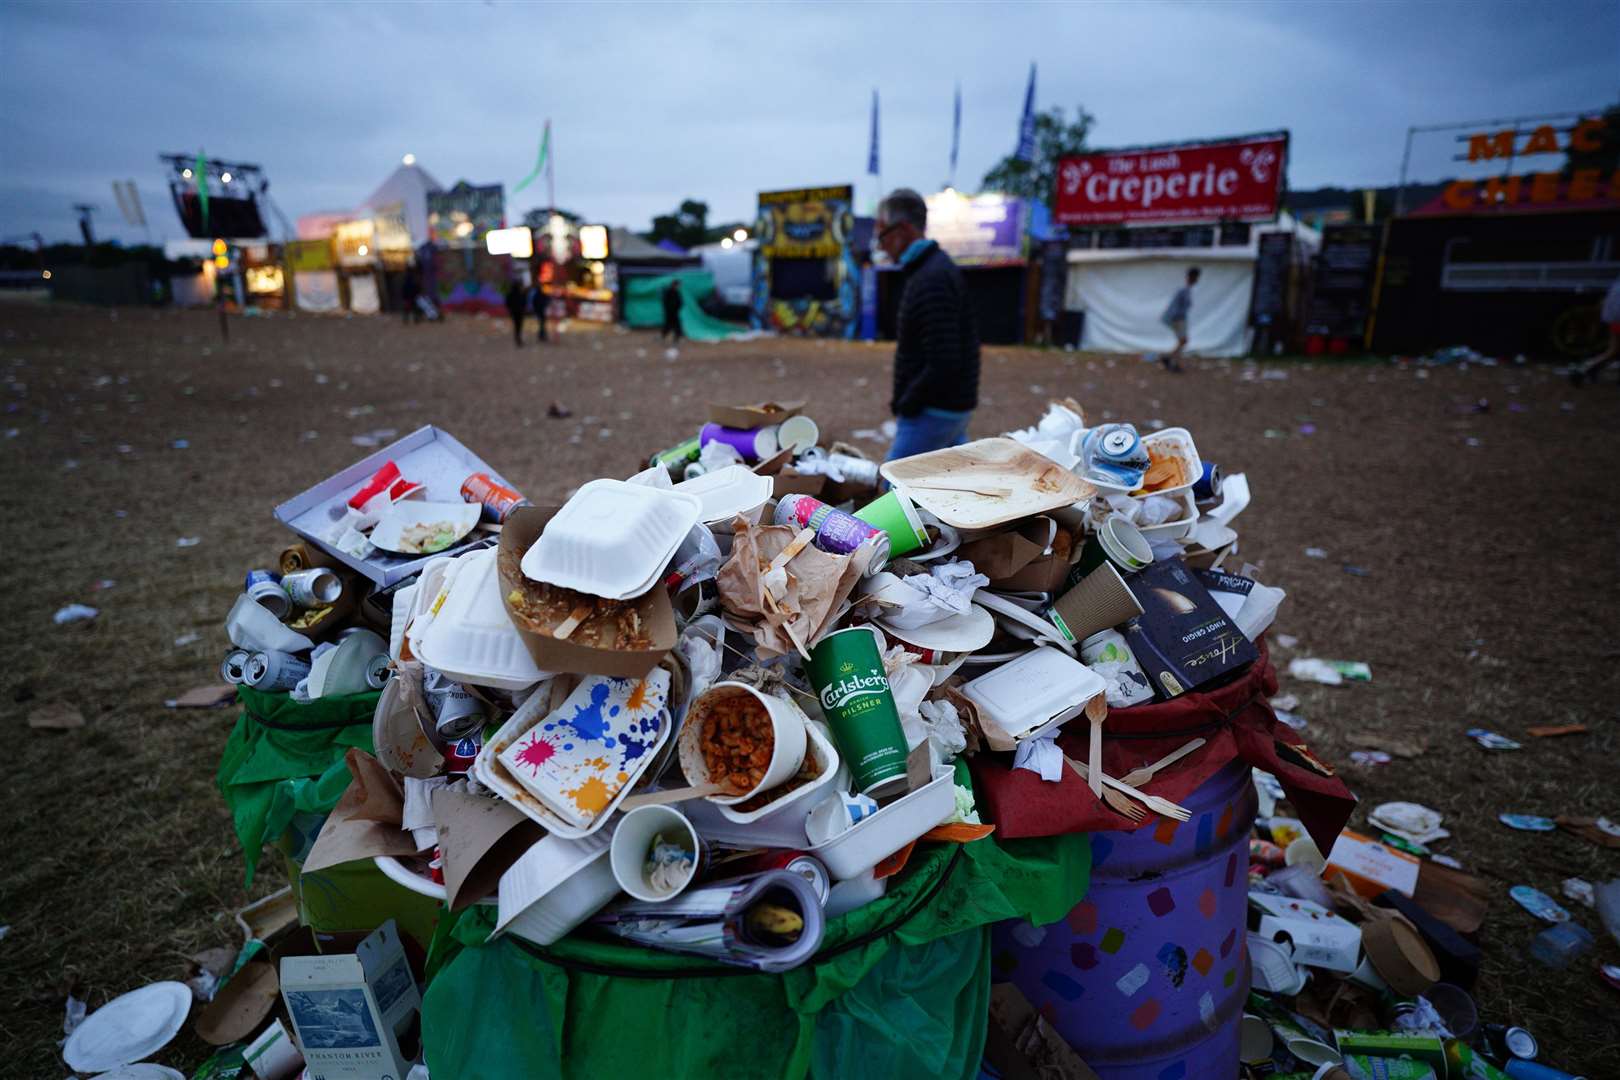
{"x": 1488, "y": 601}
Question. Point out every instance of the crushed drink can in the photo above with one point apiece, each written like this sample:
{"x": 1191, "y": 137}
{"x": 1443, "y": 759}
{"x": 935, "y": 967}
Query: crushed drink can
{"x": 233, "y": 669}
{"x": 456, "y": 713}
{"x": 836, "y": 531}
{"x": 846, "y": 672}
{"x": 271, "y": 671}
{"x": 461, "y": 753}
{"x": 497, "y": 499}
{"x": 265, "y": 589}
{"x": 313, "y": 588}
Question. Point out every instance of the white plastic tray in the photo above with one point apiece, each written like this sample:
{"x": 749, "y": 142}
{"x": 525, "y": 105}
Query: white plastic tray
{"x": 612, "y": 539}
{"x": 405, "y": 877}
{"x": 1036, "y": 693}
{"x": 554, "y": 886}
{"x": 490, "y": 772}
{"x": 727, "y": 492}
{"x": 1179, "y": 526}
{"x": 428, "y": 456}
{"x": 874, "y": 838}
{"x": 472, "y": 639}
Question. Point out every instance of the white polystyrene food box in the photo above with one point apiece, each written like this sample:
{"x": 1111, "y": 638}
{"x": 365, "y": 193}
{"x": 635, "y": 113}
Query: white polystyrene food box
{"x": 727, "y": 492}
{"x": 427, "y": 456}
{"x": 493, "y": 774}
{"x": 1178, "y": 526}
{"x": 874, "y": 838}
{"x": 612, "y": 538}
{"x": 472, "y": 639}
{"x": 1035, "y": 693}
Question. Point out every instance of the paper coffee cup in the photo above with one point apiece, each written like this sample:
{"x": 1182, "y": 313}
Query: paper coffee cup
{"x": 898, "y": 518}
{"x": 633, "y": 842}
{"x": 797, "y": 433}
{"x": 273, "y": 1056}
{"x": 1099, "y": 601}
{"x": 1397, "y": 951}
{"x": 1304, "y": 852}
{"x": 1254, "y": 1040}
{"x": 1119, "y": 542}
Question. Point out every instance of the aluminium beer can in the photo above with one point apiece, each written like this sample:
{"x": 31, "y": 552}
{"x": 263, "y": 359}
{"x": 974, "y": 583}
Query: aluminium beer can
{"x": 846, "y": 672}
{"x": 271, "y": 671}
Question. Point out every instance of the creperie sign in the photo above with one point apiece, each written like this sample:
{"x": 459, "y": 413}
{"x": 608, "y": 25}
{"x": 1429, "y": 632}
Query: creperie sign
{"x": 1534, "y": 190}
{"x": 1235, "y": 180}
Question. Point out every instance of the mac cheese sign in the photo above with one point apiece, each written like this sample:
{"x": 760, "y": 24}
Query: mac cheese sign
{"x": 1538, "y": 185}
{"x": 1230, "y": 180}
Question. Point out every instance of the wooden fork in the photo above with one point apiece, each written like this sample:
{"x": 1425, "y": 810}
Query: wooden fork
{"x": 1138, "y": 777}
{"x": 1163, "y": 807}
{"x": 1120, "y": 804}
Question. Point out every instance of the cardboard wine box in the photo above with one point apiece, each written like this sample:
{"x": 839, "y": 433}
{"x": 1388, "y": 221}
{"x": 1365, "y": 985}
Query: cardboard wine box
{"x": 1182, "y": 640}
{"x": 349, "y": 1012}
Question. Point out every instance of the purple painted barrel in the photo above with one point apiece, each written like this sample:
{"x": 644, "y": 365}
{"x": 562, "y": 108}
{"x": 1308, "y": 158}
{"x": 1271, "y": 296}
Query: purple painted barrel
{"x": 1146, "y": 977}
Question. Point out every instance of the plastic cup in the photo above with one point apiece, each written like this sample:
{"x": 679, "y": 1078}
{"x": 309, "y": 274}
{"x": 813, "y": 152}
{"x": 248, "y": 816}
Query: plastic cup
{"x": 896, "y": 516}
{"x": 633, "y": 841}
{"x": 797, "y": 433}
{"x": 1116, "y": 541}
{"x": 1304, "y": 852}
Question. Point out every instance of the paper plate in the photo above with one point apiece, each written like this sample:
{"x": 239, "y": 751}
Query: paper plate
{"x": 954, "y": 633}
{"x": 128, "y": 1028}
{"x": 1021, "y": 623}
{"x": 393, "y": 530}
{"x": 985, "y": 483}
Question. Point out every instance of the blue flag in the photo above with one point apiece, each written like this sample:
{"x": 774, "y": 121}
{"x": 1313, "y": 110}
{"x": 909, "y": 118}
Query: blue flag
{"x": 956, "y": 132}
{"x": 872, "y": 152}
{"x": 1026, "y": 123}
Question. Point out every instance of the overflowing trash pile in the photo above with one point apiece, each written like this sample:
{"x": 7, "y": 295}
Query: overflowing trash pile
{"x": 711, "y": 709}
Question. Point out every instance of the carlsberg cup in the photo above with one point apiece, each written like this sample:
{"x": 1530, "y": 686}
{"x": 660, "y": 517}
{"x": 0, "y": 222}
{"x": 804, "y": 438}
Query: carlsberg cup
{"x": 846, "y": 672}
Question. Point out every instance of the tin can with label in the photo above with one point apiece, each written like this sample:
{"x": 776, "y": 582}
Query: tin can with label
{"x": 836, "y": 531}
{"x": 270, "y": 671}
{"x": 1208, "y": 486}
{"x": 265, "y": 588}
{"x": 846, "y": 672}
{"x": 461, "y": 753}
{"x": 456, "y": 713}
{"x": 497, "y": 499}
{"x": 313, "y": 588}
{"x": 234, "y": 667}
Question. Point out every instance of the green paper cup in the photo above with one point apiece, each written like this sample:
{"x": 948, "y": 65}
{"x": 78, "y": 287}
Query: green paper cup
{"x": 896, "y": 516}
{"x": 1116, "y": 541}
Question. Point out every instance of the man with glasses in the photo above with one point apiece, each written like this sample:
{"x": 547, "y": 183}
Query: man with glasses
{"x": 936, "y": 353}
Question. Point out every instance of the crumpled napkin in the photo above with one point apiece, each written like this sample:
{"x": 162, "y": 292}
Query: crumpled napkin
{"x": 717, "y": 455}
{"x": 1042, "y": 756}
{"x": 417, "y": 817}
{"x": 948, "y": 586}
{"x": 938, "y": 723}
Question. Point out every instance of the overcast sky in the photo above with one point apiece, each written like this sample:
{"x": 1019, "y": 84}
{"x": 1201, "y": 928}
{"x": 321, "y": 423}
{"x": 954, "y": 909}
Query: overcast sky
{"x": 651, "y": 103}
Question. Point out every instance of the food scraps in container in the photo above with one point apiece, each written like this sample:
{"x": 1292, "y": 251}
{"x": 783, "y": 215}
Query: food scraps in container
{"x": 737, "y": 742}
{"x": 427, "y": 538}
{"x": 548, "y": 609}
{"x": 669, "y": 865}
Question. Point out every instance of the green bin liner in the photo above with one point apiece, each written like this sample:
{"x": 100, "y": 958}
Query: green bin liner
{"x": 644, "y": 305}
{"x": 900, "y": 987}
{"x": 284, "y": 759}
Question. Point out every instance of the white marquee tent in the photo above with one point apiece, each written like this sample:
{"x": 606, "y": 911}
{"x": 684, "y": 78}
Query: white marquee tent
{"x": 1124, "y": 293}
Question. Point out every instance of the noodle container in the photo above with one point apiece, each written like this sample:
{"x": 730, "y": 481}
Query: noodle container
{"x": 788, "y": 739}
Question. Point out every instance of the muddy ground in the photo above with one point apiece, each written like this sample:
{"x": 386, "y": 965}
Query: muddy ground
{"x": 1468, "y": 556}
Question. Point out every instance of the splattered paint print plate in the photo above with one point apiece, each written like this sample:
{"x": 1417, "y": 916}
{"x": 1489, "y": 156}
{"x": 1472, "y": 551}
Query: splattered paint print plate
{"x": 580, "y": 757}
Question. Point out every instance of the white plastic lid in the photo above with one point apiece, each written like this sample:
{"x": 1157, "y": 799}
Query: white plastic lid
{"x": 726, "y": 492}
{"x": 1025, "y": 694}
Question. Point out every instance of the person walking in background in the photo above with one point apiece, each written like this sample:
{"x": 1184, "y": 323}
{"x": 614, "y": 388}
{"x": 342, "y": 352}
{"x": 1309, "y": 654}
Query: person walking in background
{"x": 672, "y": 311}
{"x": 517, "y": 306}
{"x": 1175, "y": 317}
{"x": 410, "y": 291}
{"x": 936, "y": 350}
{"x": 539, "y": 301}
{"x": 1609, "y": 315}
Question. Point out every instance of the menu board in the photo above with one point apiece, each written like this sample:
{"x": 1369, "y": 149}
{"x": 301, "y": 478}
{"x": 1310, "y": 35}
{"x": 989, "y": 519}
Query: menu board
{"x": 1344, "y": 281}
{"x": 1269, "y": 302}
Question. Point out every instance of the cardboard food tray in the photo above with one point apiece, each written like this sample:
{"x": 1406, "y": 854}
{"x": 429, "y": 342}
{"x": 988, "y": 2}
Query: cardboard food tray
{"x": 522, "y": 529}
{"x": 1035, "y": 483}
{"x": 748, "y": 417}
{"x": 428, "y": 456}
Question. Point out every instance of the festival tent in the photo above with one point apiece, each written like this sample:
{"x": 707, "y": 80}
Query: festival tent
{"x": 1124, "y": 291}
{"x": 410, "y": 185}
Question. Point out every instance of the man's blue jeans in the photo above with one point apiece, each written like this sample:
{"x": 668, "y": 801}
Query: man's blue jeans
{"x": 931, "y": 429}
